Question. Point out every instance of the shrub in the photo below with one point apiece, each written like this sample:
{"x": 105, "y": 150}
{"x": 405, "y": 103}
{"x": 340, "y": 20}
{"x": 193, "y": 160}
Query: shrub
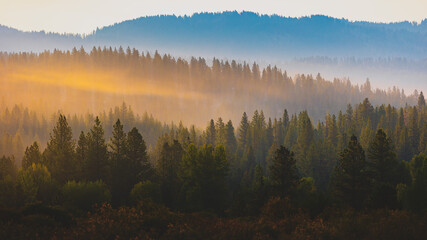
{"x": 144, "y": 191}
{"x": 37, "y": 184}
{"x": 84, "y": 195}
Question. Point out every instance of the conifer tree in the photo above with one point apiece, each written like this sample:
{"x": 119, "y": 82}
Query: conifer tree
{"x": 366, "y": 135}
{"x": 204, "y": 177}
{"x": 351, "y": 178}
{"x": 413, "y": 132}
{"x": 81, "y": 153}
{"x": 384, "y": 170}
{"x": 243, "y": 131}
{"x": 230, "y": 139}
{"x": 285, "y": 121}
{"x": 211, "y": 133}
{"x": 59, "y": 154}
{"x": 220, "y": 134}
{"x": 122, "y": 180}
{"x": 421, "y": 102}
{"x": 303, "y": 142}
{"x": 32, "y": 155}
{"x": 168, "y": 168}
{"x": 283, "y": 172}
{"x": 140, "y": 168}
{"x": 95, "y": 166}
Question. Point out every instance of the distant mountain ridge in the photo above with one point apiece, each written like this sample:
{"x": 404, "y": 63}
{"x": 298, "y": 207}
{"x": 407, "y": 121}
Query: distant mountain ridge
{"x": 241, "y": 35}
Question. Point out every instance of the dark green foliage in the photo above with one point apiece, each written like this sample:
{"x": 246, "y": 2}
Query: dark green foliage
{"x": 303, "y": 143}
{"x": 32, "y": 155}
{"x": 123, "y": 176}
{"x": 283, "y": 172}
{"x": 37, "y": 184}
{"x": 351, "y": 183}
{"x": 84, "y": 195}
{"x": 204, "y": 172}
{"x": 59, "y": 155}
{"x": 421, "y": 102}
{"x": 384, "y": 171}
{"x": 211, "y": 133}
{"x": 145, "y": 191}
{"x": 243, "y": 131}
{"x": 241, "y": 176}
{"x": 140, "y": 168}
{"x": 7, "y": 168}
{"x": 230, "y": 139}
{"x": 168, "y": 168}
{"x": 414, "y": 195}
{"x": 81, "y": 154}
{"x": 95, "y": 164}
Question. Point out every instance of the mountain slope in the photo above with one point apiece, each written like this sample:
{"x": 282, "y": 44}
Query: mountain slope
{"x": 242, "y": 35}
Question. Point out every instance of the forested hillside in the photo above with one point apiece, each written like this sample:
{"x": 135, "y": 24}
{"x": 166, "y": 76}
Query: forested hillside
{"x": 244, "y": 35}
{"x": 360, "y": 163}
{"x": 118, "y": 144}
{"x": 172, "y": 88}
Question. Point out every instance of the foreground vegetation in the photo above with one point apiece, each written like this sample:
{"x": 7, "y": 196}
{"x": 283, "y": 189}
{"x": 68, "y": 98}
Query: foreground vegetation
{"x": 360, "y": 175}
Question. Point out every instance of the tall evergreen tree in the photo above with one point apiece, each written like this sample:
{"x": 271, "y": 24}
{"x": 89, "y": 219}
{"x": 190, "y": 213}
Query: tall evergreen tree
{"x": 283, "y": 172}
{"x": 220, "y": 134}
{"x": 81, "y": 153}
{"x": 95, "y": 166}
{"x": 413, "y": 132}
{"x": 204, "y": 175}
{"x": 32, "y": 155}
{"x": 211, "y": 133}
{"x": 121, "y": 182}
{"x": 421, "y": 102}
{"x": 243, "y": 131}
{"x": 351, "y": 179}
{"x": 140, "y": 168}
{"x": 384, "y": 170}
{"x": 230, "y": 139}
{"x": 168, "y": 168}
{"x": 303, "y": 142}
{"x": 59, "y": 154}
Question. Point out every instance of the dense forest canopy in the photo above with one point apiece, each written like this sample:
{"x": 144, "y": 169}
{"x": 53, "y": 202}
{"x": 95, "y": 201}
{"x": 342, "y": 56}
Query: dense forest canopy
{"x": 171, "y": 88}
{"x": 115, "y": 143}
{"x": 365, "y": 159}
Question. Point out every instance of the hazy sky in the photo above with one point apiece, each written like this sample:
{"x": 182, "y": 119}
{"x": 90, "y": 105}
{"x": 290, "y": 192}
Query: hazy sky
{"x": 83, "y": 16}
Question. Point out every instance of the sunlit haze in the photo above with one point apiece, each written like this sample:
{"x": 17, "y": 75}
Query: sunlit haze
{"x": 81, "y": 16}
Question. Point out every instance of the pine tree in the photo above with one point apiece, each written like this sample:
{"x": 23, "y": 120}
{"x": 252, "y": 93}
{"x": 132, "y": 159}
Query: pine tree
{"x": 366, "y": 135}
{"x": 243, "y": 131}
{"x": 283, "y": 172}
{"x": 421, "y": 102}
{"x": 413, "y": 132}
{"x": 59, "y": 154}
{"x": 140, "y": 168}
{"x": 230, "y": 139}
{"x": 32, "y": 155}
{"x": 204, "y": 175}
{"x": 285, "y": 121}
{"x": 95, "y": 166}
{"x": 384, "y": 170}
{"x": 121, "y": 182}
{"x": 81, "y": 153}
{"x": 193, "y": 135}
{"x": 351, "y": 179}
{"x": 211, "y": 133}
{"x": 168, "y": 168}
{"x": 220, "y": 134}
{"x": 303, "y": 142}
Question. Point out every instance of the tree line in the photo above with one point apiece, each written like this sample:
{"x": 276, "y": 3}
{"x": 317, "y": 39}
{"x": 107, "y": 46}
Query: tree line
{"x": 233, "y": 84}
{"x": 366, "y": 158}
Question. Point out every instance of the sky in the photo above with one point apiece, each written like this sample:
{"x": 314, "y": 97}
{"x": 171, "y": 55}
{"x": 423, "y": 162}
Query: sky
{"x": 84, "y": 16}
